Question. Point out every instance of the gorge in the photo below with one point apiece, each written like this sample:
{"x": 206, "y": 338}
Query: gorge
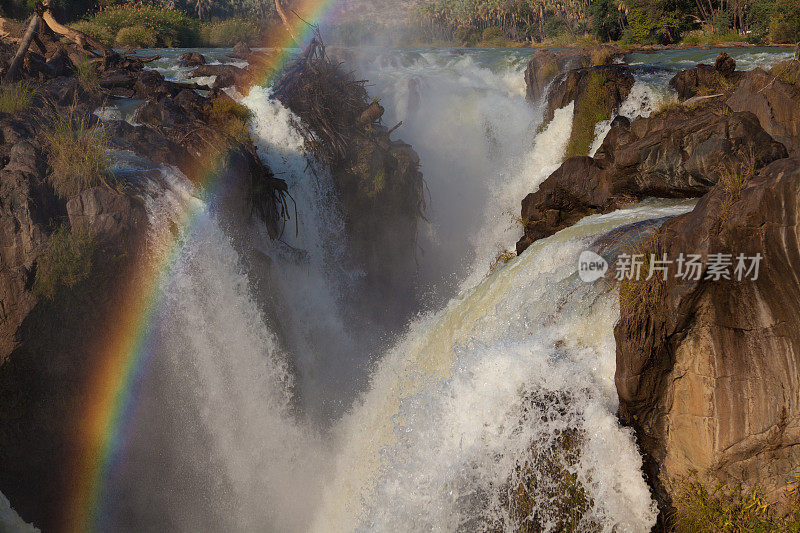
{"x": 277, "y": 335}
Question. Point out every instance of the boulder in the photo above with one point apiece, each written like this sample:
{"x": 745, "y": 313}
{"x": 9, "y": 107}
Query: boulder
{"x": 676, "y": 154}
{"x": 241, "y": 51}
{"x": 151, "y": 84}
{"x": 226, "y": 75}
{"x": 708, "y": 372}
{"x": 706, "y": 79}
{"x": 545, "y": 64}
{"x": 725, "y": 64}
{"x": 773, "y": 100}
{"x": 597, "y": 93}
{"x": 191, "y": 59}
{"x": 112, "y": 216}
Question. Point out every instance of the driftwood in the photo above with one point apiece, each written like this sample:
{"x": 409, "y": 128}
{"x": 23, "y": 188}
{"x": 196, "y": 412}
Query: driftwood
{"x": 285, "y": 20}
{"x": 43, "y": 17}
{"x": 24, "y": 44}
{"x": 81, "y": 39}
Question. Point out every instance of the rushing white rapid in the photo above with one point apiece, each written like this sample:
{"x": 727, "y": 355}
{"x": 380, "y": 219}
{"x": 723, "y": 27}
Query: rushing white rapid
{"x": 495, "y": 406}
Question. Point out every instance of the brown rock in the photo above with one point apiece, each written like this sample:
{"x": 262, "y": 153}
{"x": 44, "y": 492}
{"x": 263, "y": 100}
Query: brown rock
{"x": 705, "y": 79}
{"x": 227, "y": 75}
{"x": 112, "y": 216}
{"x": 725, "y": 64}
{"x": 617, "y": 83}
{"x": 241, "y": 51}
{"x": 775, "y": 102}
{"x": 191, "y": 59}
{"x": 677, "y": 154}
{"x": 708, "y": 372}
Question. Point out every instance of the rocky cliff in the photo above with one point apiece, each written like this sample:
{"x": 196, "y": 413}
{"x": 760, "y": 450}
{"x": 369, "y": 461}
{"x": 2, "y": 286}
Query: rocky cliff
{"x": 707, "y": 368}
{"x": 708, "y": 371}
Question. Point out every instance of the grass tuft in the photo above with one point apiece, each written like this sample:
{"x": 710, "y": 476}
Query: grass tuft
{"x": 733, "y": 175}
{"x": 231, "y": 118}
{"x": 227, "y": 33}
{"x": 589, "y": 110}
{"x": 76, "y": 152}
{"x": 601, "y": 55}
{"x": 87, "y": 75}
{"x": 728, "y": 509}
{"x": 788, "y": 72}
{"x": 16, "y": 97}
{"x": 642, "y": 294}
{"x": 65, "y": 262}
{"x": 136, "y": 37}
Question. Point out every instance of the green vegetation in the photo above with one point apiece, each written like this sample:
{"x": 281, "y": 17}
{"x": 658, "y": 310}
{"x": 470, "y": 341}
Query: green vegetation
{"x": 788, "y": 72}
{"x": 76, "y": 152}
{"x": 590, "y": 109}
{"x": 135, "y": 37}
{"x": 226, "y": 33}
{"x": 483, "y": 23}
{"x": 728, "y": 509}
{"x": 15, "y": 97}
{"x": 230, "y": 117}
{"x": 65, "y": 262}
{"x": 733, "y": 176}
{"x": 87, "y": 75}
{"x": 142, "y": 25}
{"x": 630, "y": 21}
{"x": 640, "y": 294}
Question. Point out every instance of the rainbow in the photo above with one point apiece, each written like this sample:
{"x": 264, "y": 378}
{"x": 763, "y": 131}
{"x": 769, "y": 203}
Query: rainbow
{"x": 123, "y": 352}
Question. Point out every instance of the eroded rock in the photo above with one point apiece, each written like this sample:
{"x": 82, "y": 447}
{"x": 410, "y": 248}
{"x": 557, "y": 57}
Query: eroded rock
{"x": 708, "y": 371}
{"x": 773, "y": 100}
{"x": 707, "y": 79}
{"x": 677, "y": 154}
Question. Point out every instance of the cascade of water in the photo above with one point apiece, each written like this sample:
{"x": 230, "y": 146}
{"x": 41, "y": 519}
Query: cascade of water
{"x": 466, "y": 402}
{"x": 214, "y": 437}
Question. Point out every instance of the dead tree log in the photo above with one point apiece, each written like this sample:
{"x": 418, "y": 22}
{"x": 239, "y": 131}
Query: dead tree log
{"x": 16, "y": 61}
{"x": 286, "y": 23}
{"x": 81, "y": 39}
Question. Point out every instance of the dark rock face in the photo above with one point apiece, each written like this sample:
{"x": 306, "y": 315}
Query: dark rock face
{"x": 708, "y": 371}
{"x": 775, "y": 102}
{"x": 241, "y": 51}
{"x": 227, "y": 75}
{"x": 546, "y": 64}
{"x": 606, "y": 85}
{"x": 707, "y": 79}
{"x": 192, "y": 59}
{"x": 678, "y": 154}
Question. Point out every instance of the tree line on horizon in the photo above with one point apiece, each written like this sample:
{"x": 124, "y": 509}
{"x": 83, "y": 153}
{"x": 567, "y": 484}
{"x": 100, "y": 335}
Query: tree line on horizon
{"x": 634, "y": 21}
{"x": 71, "y": 10}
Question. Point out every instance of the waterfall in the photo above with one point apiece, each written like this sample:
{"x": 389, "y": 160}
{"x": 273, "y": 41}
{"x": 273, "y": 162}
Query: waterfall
{"x": 310, "y": 270}
{"x": 649, "y": 92}
{"x": 214, "y": 438}
{"x": 295, "y": 415}
{"x": 477, "y": 391}
{"x": 10, "y": 520}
